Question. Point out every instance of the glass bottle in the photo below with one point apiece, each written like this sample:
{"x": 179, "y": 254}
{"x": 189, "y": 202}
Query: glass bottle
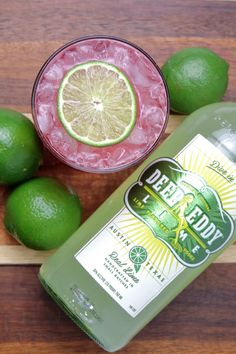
{"x": 154, "y": 235}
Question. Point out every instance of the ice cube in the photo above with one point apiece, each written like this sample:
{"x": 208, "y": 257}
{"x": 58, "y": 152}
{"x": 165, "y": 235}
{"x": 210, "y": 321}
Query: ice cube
{"x": 162, "y": 100}
{"x": 133, "y": 55}
{"x": 70, "y": 58}
{"x": 84, "y": 51}
{"x": 55, "y": 72}
{"x": 45, "y": 92}
{"x": 137, "y": 137}
{"x": 128, "y": 157}
{"x": 56, "y": 137}
{"x": 118, "y": 56}
{"x": 156, "y": 90}
{"x": 91, "y": 158}
{"x": 139, "y": 76}
{"x": 101, "y": 49}
{"x": 45, "y": 121}
{"x": 87, "y": 156}
{"x": 125, "y": 157}
{"x": 146, "y": 100}
{"x": 85, "y": 149}
{"x": 116, "y": 156}
{"x": 93, "y": 162}
{"x": 141, "y": 70}
{"x": 152, "y": 117}
{"x": 43, "y": 109}
{"x": 65, "y": 144}
{"x": 149, "y": 69}
{"x": 79, "y": 159}
{"x": 102, "y": 164}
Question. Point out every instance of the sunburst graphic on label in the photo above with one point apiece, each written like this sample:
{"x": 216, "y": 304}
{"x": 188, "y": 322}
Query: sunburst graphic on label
{"x": 140, "y": 234}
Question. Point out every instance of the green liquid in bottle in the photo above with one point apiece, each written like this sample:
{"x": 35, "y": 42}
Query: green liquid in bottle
{"x": 154, "y": 235}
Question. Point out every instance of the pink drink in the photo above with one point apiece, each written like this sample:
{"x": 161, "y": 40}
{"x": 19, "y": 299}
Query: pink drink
{"x": 152, "y": 100}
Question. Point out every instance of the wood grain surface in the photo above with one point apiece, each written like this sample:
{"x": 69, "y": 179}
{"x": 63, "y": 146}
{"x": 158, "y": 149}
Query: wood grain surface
{"x": 202, "y": 320}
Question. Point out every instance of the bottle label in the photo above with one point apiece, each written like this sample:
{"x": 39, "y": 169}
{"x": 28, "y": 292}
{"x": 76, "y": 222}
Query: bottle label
{"x": 176, "y": 215}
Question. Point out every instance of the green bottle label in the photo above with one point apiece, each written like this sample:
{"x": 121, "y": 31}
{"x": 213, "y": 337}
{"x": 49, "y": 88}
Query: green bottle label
{"x": 182, "y": 211}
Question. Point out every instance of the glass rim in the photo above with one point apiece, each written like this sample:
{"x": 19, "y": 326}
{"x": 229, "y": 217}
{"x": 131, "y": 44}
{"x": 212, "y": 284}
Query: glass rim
{"x": 53, "y": 150}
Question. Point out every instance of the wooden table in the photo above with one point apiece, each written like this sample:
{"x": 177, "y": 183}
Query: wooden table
{"x": 203, "y": 318}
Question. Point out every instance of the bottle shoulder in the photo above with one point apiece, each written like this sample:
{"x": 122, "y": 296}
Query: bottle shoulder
{"x": 217, "y": 123}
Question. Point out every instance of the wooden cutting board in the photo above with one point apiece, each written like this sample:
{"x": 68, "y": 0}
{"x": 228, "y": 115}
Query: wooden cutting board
{"x": 11, "y": 253}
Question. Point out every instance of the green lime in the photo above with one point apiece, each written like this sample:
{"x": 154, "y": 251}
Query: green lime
{"x": 20, "y": 149}
{"x": 195, "y": 77}
{"x": 42, "y": 213}
{"x": 97, "y": 104}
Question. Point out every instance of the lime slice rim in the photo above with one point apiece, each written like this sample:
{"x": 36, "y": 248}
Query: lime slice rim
{"x": 134, "y": 105}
